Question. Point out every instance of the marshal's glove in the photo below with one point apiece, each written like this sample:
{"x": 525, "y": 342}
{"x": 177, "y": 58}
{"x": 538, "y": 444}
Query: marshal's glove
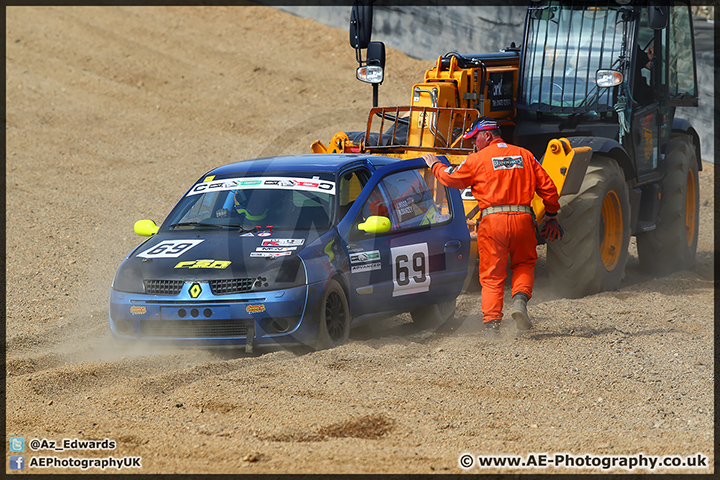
{"x": 550, "y": 229}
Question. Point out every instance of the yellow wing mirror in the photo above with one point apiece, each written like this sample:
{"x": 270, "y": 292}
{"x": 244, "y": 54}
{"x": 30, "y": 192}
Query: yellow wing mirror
{"x": 145, "y": 228}
{"x": 375, "y": 224}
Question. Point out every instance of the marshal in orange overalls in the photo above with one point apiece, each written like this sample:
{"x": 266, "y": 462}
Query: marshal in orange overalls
{"x": 503, "y": 175}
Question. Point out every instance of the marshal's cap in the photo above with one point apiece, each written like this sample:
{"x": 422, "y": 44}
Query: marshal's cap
{"x": 480, "y": 124}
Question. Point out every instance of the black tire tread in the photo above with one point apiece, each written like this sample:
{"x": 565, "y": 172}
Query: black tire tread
{"x": 574, "y": 263}
{"x": 323, "y": 340}
{"x": 666, "y": 249}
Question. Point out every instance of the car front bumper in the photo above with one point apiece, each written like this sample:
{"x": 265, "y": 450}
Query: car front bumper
{"x": 266, "y": 318}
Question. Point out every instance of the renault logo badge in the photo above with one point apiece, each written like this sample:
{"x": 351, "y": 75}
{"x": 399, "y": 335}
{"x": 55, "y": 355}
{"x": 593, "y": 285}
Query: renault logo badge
{"x": 195, "y": 290}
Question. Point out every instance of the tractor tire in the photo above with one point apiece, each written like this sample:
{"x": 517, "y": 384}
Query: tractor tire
{"x": 673, "y": 243}
{"x": 592, "y": 255}
{"x": 334, "y": 318}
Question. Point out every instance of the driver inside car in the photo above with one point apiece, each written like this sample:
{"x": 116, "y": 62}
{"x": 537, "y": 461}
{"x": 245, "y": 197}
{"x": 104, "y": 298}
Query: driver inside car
{"x": 240, "y": 204}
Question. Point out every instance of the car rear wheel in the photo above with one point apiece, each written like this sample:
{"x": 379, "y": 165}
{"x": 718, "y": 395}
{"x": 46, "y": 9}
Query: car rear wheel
{"x": 334, "y": 321}
{"x": 434, "y": 315}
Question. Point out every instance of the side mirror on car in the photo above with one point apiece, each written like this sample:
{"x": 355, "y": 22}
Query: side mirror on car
{"x": 375, "y": 224}
{"x": 145, "y": 228}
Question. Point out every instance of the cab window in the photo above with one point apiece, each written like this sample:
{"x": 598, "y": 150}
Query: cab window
{"x": 681, "y": 72}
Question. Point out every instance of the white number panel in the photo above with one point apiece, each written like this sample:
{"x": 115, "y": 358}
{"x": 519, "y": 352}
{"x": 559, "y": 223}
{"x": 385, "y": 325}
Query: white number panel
{"x": 411, "y": 270}
{"x": 169, "y": 249}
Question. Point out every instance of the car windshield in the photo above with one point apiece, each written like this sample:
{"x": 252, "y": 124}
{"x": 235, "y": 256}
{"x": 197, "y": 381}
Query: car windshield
{"x": 566, "y": 45}
{"x": 284, "y": 201}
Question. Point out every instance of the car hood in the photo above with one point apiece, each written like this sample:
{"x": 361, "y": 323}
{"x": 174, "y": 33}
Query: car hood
{"x": 217, "y": 255}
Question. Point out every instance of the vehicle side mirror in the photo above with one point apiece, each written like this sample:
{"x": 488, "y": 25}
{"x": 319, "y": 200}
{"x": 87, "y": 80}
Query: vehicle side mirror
{"x": 657, "y": 16}
{"x": 145, "y": 228}
{"x": 361, "y": 23}
{"x": 375, "y": 224}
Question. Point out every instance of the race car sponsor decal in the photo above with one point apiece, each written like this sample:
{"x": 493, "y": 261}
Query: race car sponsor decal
{"x": 169, "y": 249}
{"x": 264, "y": 234}
{"x": 466, "y": 194}
{"x": 274, "y": 249}
{"x": 328, "y": 250}
{"x": 285, "y": 183}
{"x": 269, "y": 254}
{"x": 365, "y": 267}
{"x": 249, "y": 234}
{"x": 404, "y": 206}
{"x": 255, "y": 308}
{"x": 506, "y": 163}
{"x": 135, "y": 310}
{"x": 365, "y": 256}
{"x": 204, "y": 264}
{"x": 411, "y": 270}
{"x": 283, "y": 242}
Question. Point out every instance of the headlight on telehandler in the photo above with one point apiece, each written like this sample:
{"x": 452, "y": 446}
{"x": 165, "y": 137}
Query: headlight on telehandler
{"x": 370, "y": 74}
{"x": 608, "y": 78}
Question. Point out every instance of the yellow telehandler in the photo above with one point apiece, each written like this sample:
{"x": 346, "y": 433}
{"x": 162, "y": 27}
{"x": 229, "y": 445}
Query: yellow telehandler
{"x": 592, "y": 92}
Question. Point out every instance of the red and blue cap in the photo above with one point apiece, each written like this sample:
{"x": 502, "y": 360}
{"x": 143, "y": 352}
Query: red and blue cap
{"x": 480, "y": 125}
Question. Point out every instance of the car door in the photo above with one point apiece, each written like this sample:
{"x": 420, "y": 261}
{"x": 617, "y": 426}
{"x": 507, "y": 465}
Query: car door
{"x": 422, "y": 259}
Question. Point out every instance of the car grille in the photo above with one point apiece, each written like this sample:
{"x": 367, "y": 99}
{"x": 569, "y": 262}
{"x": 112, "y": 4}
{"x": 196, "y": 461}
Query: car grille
{"x": 234, "y": 285}
{"x": 218, "y": 287}
{"x": 163, "y": 287}
{"x": 194, "y": 328}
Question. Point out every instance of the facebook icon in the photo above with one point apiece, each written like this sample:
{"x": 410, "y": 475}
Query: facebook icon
{"x": 17, "y": 462}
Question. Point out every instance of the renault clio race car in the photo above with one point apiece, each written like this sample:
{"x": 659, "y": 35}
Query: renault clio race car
{"x": 292, "y": 250}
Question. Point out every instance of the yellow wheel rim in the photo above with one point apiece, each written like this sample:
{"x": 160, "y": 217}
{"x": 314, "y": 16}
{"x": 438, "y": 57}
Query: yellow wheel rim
{"x": 611, "y": 230}
{"x": 690, "y": 208}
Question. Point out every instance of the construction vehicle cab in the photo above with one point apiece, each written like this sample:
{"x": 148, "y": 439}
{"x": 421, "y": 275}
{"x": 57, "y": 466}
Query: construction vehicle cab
{"x": 592, "y": 92}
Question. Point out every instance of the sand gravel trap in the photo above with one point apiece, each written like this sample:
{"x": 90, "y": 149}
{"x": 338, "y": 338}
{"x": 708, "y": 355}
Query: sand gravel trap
{"x": 112, "y": 112}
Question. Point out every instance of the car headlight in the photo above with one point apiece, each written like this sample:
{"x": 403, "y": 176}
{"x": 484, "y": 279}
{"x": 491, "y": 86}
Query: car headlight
{"x": 128, "y": 278}
{"x": 286, "y": 273}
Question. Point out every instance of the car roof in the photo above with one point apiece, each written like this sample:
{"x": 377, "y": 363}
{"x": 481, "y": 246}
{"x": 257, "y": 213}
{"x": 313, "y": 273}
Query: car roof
{"x": 323, "y": 162}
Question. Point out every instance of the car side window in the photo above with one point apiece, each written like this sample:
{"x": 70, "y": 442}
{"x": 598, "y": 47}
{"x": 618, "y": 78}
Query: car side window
{"x": 408, "y": 201}
{"x": 376, "y": 205}
{"x": 414, "y": 202}
{"x": 439, "y": 195}
{"x": 349, "y": 187}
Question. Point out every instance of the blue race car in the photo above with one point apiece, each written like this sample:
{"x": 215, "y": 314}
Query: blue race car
{"x": 293, "y": 250}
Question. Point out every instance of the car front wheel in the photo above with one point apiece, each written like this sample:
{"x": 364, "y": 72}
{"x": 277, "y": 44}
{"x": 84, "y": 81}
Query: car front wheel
{"x": 334, "y": 318}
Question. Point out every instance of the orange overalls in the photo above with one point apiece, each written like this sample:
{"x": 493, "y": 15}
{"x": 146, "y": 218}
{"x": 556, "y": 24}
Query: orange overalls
{"x": 503, "y": 174}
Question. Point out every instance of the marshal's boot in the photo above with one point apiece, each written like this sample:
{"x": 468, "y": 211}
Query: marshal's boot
{"x": 519, "y": 312}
